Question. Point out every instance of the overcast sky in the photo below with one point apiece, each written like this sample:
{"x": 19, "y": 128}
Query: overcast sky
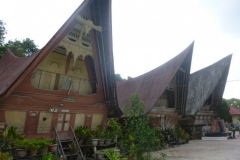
{"x": 146, "y": 33}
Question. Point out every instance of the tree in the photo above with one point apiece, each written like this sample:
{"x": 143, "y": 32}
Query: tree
{"x": 21, "y": 49}
{"x": 2, "y": 50}
{"x": 118, "y": 78}
{"x": 2, "y": 37}
{"x": 2, "y": 32}
{"x": 223, "y": 111}
{"x": 139, "y": 135}
{"x": 233, "y": 102}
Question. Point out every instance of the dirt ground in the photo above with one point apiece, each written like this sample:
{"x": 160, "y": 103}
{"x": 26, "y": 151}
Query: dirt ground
{"x": 204, "y": 150}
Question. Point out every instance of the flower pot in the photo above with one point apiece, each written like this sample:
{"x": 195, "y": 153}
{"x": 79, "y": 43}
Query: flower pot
{"x": 33, "y": 152}
{"x": 117, "y": 150}
{"x": 101, "y": 142}
{"x": 52, "y": 148}
{"x": 44, "y": 150}
{"x": 114, "y": 140}
{"x": 95, "y": 142}
{"x": 100, "y": 155}
{"x": 80, "y": 142}
{"x": 72, "y": 157}
{"x": 10, "y": 151}
{"x": 21, "y": 152}
{"x": 108, "y": 141}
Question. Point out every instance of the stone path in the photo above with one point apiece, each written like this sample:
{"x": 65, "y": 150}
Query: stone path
{"x": 204, "y": 150}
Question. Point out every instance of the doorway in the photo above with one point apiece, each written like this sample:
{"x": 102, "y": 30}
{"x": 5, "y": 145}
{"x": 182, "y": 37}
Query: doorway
{"x": 63, "y": 122}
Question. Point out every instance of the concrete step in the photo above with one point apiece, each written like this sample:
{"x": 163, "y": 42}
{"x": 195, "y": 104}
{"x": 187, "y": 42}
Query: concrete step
{"x": 215, "y": 138}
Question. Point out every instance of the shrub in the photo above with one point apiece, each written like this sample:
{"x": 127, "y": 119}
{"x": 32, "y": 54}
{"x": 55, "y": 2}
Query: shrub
{"x": 139, "y": 135}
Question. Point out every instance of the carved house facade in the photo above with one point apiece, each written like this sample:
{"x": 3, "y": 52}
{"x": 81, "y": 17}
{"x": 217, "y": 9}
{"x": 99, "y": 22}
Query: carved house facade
{"x": 205, "y": 91}
{"x": 69, "y": 82}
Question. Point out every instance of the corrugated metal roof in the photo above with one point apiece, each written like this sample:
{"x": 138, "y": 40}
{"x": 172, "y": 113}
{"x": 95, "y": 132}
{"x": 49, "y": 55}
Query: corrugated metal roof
{"x": 203, "y": 83}
{"x": 234, "y": 111}
{"x": 11, "y": 67}
{"x": 151, "y": 85}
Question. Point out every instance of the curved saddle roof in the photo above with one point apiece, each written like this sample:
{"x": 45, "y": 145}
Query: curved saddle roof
{"x": 204, "y": 82}
{"x": 151, "y": 85}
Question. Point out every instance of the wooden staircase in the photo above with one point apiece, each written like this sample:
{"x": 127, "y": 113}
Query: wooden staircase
{"x": 67, "y": 140}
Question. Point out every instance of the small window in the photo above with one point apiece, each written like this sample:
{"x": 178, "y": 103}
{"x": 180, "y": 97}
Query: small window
{"x": 171, "y": 99}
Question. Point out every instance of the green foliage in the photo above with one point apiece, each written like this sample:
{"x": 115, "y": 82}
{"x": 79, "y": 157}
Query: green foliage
{"x": 223, "y": 111}
{"x": 118, "y": 78}
{"x": 136, "y": 107}
{"x": 5, "y": 156}
{"x": 23, "y": 48}
{"x": 178, "y": 132}
{"x": 82, "y": 132}
{"x": 233, "y": 102}
{"x": 96, "y": 133}
{"x": 2, "y": 50}
{"x": 48, "y": 156}
{"x": 163, "y": 156}
{"x": 21, "y": 144}
{"x": 43, "y": 142}
{"x": 72, "y": 147}
{"x": 2, "y": 32}
{"x": 113, "y": 129}
{"x": 112, "y": 155}
{"x": 9, "y": 135}
{"x": 139, "y": 135}
{"x": 33, "y": 144}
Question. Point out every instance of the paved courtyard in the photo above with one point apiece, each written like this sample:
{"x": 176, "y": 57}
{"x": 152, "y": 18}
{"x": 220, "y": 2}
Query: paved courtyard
{"x": 204, "y": 150}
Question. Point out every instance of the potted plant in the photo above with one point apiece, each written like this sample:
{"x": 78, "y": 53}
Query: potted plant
{"x": 72, "y": 149}
{"x": 9, "y": 136}
{"x": 112, "y": 155}
{"x": 83, "y": 134}
{"x": 95, "y": 134}
{"x": 21, "y": 147}
{"x": 100, "y": 154}
{"x": 109, "y": 136}
{"x": 5, "y": 156}
{"x": 113, "y": 129}
{"x": 48, "y": 156}
{"x": 53, "y": 146}
{"x": 33, "y": 146}
{"x": 102, "y": 138}
{"x": 44, "y": 143}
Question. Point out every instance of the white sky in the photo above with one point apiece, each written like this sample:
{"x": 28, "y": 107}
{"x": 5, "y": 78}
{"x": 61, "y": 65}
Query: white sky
{"x": 146, "y": 33}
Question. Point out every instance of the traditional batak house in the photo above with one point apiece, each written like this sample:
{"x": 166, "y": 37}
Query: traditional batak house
{"x": 205, "y": 93}
{"x": 69, "y": 82}
{"x": 163, "y": 90}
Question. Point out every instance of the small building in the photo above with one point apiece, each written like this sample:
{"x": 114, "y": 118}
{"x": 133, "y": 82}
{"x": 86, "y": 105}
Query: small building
{"x": 235, "y": 113}
{"x": 162, "y": 90}
{"x": 69, "y": 82}
{"x": 205, "y": 92}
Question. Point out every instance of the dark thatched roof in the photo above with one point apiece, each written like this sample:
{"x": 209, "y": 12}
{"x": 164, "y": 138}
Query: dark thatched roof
{"x": 203, "y": 83}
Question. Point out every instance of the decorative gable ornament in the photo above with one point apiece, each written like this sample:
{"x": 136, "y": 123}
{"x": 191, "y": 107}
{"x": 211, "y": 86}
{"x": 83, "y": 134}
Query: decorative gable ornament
{"x": 78, "y": 40}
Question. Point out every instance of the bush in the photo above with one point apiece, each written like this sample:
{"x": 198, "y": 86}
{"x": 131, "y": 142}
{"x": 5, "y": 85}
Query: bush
{"x": 139, "y": 135}
{"x": 5, "y": 156}
{"x": 48, "y": 156}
